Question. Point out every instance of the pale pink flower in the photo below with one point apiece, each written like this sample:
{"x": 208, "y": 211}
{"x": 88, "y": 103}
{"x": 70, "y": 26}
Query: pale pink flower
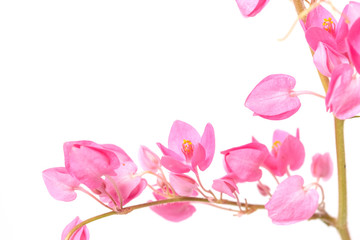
{"x": 60, "y": 184}
{"x": 187, "y": 150}
{"x": 225, "y": 185}
{"x": 80, "y": 234}
{"x": 149, "y": 161}
{"x": 175, "y": 212}
{"x": 250, "y": 8}
{"x": 291, "y": 202}
{"x": 242, "y": 164}
{"x": 272, "y": 98}
{"x": 183, "y": 184}
{"x": 322, "y": 166}
{"x": 343, "y": 96}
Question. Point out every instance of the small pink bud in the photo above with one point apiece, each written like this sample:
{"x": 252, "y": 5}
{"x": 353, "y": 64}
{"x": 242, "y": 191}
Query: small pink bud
{"x": 322, "y": 166}
{"x": 183, "y": 185}
{"x": 263, "y": 189}
{"x": 149, "y": 161}
{"x": 80, "y": 234}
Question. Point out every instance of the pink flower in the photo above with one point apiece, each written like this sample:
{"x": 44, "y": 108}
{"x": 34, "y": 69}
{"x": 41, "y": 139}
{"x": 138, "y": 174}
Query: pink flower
{"x": 272, "y": 98}
{"x": 250, "y": 8}
{"x": 89, "y": 162}
{"x": 187, "y": 150}
{"x": 175, "y": 212}
{"x": 183, "y": 185}
{"x": 291, "y": 202}
{"x": 149, "y": 161}
{"x": 322, "y": 166}
{"x": 343, "y": 96}
{"x": 60, "y": 184}
{"x": 287, "y": 151}
{"x": 243, "y": 163}
{"x": 225, "y": 185}
{"x": 80, "y": 234}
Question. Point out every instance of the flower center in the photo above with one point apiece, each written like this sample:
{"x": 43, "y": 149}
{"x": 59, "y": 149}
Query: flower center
{"x": 187, "y": 148}
{"x": 329, "y": 25}
{"x": 275, "y": 147}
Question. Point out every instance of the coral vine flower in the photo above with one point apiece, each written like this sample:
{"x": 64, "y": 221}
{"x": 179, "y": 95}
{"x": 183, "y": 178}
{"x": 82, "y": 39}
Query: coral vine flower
{"x": 242, "y": 164}
{"x": 80, "y": 234}
{"x": 225, "y": 185}
{"x": 291, "y": 202}
{"x": 149, "y": 161}
{"x": 183, "y": 185}
{"x": 273, "y": 98}
{"x": 250, "y": 8}
{"x": 187, "y": 150}
{"x": 343, "y": 96}
{"x": 287, "y": 151}
{"x": 322, "y": 166}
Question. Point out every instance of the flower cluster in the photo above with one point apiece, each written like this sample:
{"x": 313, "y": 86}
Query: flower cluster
{"x": 336, "y": 47}
{"x": 107, "y": 174}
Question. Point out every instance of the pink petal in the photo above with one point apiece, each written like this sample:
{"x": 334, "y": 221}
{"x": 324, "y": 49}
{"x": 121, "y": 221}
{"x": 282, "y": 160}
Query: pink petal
{"x": 315, "y": 35}
{"x": 292, "y": 151}
{"x": 174, "y": 165}
{"x": 170, "y": 153}
{"x": 179, "y": 132}
{"x": 89, "y": 161}
{"x": 80, "y": 234}
{"x": 60, "y": 184}
{"x": 316, "y": 17}
{"x": 290, "y": 203}
{"x": 250, "y": 8}
{"x": 245, "y": 161}
{"x": 322, "y": 166}
{"x": 272, "y": 99}
{"x": 199, "y": 158}
{"x": 183, "y": 184}
{"x": 225, "y": 185}
{"x": 343, "y": 96}
{"x": 174, "y": 212}
{"x": 208, "y": 142}
{"x": 149, "y": 161}
{"x": 353, "y": 42}
{"x": 325, "y": 59}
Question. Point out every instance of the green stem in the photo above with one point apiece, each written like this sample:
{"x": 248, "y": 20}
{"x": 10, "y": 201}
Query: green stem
{"x": 341, "y": 223}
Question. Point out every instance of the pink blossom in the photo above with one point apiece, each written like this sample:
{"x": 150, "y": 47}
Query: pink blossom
{"x": 149, "y": 161}
{"x": 291, "y": 202}
{"x": 175, "y": 212}
{"x": 272, "y": 98}
{"x": 80, "y": 234}
{"x": 60, "y": 184}
{"x": 225, "y": 185}
{"x": 343, "y": 96}
{"x": 243, "y": 163}
{"x": 100, "y": 160}
{"x": 287, "y": 151}
{"x": 187, "y": 150}
{"x": 322, "y": 166}
{"x": 183, "y": 184}
{"x": 250, "y": 8}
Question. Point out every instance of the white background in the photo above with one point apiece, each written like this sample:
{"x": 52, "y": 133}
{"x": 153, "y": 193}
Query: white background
{"x": 121, "y": 72}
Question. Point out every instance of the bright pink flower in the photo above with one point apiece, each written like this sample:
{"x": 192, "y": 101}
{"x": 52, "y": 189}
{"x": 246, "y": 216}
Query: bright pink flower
{"x": 291, "y": 202}
{"x": 89, "y": 162}
{"x": 353, "y": 42}
{"x": 183, "y": 185}
{"x": 343, "y": 96}
{"x": 149, "y": 161}
{"x": 272, "y": 98}
{"x": 250, "y": 8}
{"x": 225, "y": 185}
{"x": 80, "y": 234}
{"x": 287, "y": 151}
{"x": 60, "y": 184}
{"x": 187, "y": 150}
{"x": 243, "y": 163}
{"x": 175, "y": 212}
{"x": 322, "y": 166}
